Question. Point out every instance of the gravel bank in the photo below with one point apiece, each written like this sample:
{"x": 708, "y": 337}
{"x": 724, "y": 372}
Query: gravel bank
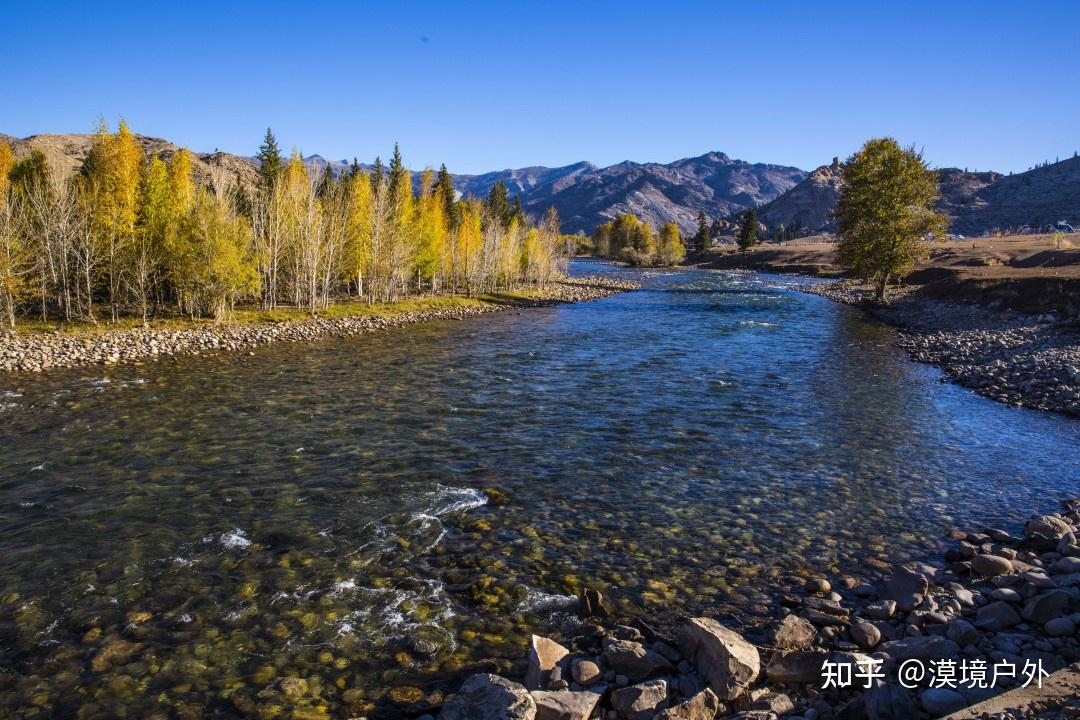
{"x": 37, "y": 352}
{"x": 1023, "y": 360}
{"x": 1000, "y": 612}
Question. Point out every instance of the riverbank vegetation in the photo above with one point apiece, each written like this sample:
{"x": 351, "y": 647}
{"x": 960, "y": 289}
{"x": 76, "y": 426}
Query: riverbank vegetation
{"x": 140, "y": 238}
{"x": 629, "y": 239}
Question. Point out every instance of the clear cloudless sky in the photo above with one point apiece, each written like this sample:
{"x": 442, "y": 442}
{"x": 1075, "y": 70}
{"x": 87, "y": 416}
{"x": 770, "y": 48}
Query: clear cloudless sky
{"x": 491, "y": 85}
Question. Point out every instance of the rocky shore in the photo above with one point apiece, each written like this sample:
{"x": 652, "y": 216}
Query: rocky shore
{"x": 999, "y": 613}
{"x": 1023, "y": 360}
{"x": 37, "y": 352}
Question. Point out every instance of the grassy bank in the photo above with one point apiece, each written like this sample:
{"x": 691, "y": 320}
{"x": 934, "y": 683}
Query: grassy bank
{"x": 256, "y": 316}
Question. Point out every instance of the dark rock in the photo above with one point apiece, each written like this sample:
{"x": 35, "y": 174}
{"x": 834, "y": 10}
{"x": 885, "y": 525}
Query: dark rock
{"x": 641, "y": 702}
{"x": 633, "y": 660}
{"x": 906, "y": 587}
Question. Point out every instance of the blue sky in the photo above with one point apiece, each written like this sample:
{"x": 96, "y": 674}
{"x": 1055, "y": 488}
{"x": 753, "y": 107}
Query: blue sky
{"x": 484, "y": 86}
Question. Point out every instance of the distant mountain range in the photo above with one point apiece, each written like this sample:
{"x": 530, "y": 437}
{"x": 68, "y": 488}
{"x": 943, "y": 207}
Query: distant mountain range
{"x": 586, "y": 195}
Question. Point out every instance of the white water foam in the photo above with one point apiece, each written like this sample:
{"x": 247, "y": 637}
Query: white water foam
{"x": 234, "y": 539}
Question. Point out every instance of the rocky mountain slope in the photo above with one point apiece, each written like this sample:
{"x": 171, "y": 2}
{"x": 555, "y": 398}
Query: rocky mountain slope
{"x": 975, "y": 202}
{"x": 66, "y": 154}
{"x": 586, "y": 195}
{"x": 809, "y": 204}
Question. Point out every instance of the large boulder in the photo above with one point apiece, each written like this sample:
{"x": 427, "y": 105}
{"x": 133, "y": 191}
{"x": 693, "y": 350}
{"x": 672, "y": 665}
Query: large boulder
{"x": 633, "y": 660}
{"x": 564, "y": 704}
{"x": 490, "y": 697}
{"x": 726, "y": 661}
{"x": 702, "y": 706}
{"x": 641, "y": 702}
{"x": 544, "y": 654}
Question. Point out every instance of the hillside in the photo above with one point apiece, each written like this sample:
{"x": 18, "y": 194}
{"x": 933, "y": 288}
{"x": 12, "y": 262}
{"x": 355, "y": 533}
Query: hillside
{"x": 66, "y": 153}
{"x": 975, "y": 202}
{"x": 808, "y": 204}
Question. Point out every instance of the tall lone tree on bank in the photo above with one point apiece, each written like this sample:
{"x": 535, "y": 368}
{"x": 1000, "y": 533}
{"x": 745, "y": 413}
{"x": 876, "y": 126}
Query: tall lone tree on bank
{"x": 701, "y": 238}
{"x": 748, "y": 230}
{"x": 886, "y": 211}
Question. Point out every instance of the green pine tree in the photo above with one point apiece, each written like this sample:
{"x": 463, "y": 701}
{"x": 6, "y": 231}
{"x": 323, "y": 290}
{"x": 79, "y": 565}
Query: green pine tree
{"x": 376, "y": 176}
{"x": 701, "y": 238}
{"x": 748, "y": 230}
{"x": 498, "y": 203}
{"x": 269, "y": 161}
{"x": 445, "y": 183}
{"x": 398, "y": 174}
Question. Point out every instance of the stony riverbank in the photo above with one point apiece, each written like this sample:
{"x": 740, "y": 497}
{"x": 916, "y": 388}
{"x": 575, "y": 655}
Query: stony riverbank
{"x": 37, "y": 352}
{"x": 998, "y": 602}
{"x": 1023, "y": 360}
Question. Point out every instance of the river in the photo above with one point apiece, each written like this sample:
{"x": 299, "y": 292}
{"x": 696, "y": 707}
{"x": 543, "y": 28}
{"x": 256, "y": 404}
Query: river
{"x": 396, "y": 509}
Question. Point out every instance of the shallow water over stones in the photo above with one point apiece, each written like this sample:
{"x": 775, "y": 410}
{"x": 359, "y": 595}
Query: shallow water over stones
{"x": 198, "y": 535}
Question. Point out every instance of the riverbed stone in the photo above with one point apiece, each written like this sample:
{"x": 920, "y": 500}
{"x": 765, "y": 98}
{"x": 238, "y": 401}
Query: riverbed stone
{"x": 962, "y": 632}
{"x": 991, "y": 565}
{"x": 881, "y": 610}
{"x": 941, "y": 701}
{"x": 1060, "y": 627}
{"x": 866, "y": 635}
{"x": 1066, "y": 566}
{"x": 702, "y": 706}
{"x": 585, "y": 672}
{"x": 996, "y": 616}
{"x": 1046, "y": 606}
{"x": 726, "y": 661}
{"x": 890, "y": 702}
{"x": 544, "y": 654}
{"x": 489, "y": 697}
{"x": 906, "y": 587}
{"x": 633, "y": 660}
{"x": 642, "y": 701}
{"x": 564, "y": 704}
{"x": 792, "y": 633}
{"x": 1050, "y": 526}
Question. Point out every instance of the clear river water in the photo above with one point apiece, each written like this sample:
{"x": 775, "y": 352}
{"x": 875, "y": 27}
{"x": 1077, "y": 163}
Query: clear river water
{"x": 380, "y": 515}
